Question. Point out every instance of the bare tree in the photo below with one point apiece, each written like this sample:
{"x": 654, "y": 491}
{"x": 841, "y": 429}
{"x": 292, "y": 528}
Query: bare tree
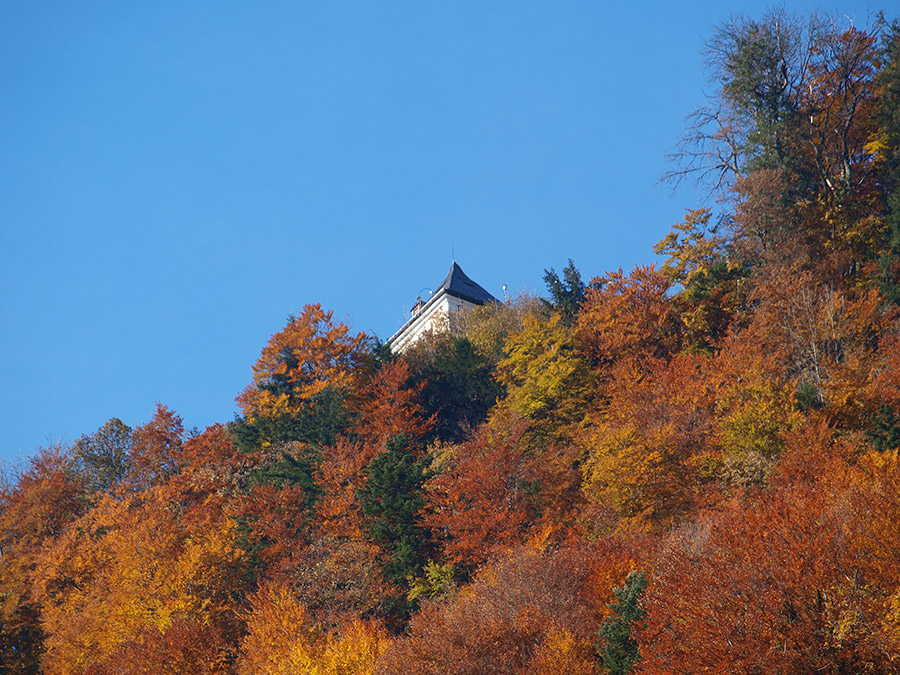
{"x": 758, "y": 69}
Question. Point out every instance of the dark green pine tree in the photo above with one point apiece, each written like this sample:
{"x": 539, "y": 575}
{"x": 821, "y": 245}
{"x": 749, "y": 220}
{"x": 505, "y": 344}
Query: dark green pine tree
{"x": 888, "y": 116}
{"x": 391, "y": 501}
{"x": 884, "y": 433}
{"x": 567, "y": 293}
{"x": 459, "y": 387}
{"x": 888, "y": 276}
{"x": 888, "y": 112}
{"x": 618, "y": 649}
{"x": 317, "y": 424}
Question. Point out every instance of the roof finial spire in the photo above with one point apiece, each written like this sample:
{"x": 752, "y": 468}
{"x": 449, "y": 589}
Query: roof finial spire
{"x": 452, "y": 252}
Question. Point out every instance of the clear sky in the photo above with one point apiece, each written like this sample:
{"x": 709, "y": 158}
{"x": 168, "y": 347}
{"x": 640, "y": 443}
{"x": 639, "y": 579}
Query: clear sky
{"x": 176, "y": 178}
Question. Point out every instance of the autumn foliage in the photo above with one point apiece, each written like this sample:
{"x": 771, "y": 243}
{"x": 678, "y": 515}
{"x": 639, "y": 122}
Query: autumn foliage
{"x": 690, "y": 466}
{"x": 310, "y": 354}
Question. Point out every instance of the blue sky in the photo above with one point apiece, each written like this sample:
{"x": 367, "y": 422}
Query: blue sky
{"x": 178, "y": 177}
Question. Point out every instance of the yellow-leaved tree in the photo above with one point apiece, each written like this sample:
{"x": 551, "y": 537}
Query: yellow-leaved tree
{"x": 545, "y": 377}
{"x": 281, "y": 640}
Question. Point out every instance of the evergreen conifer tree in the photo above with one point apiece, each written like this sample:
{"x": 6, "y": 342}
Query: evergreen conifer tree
{"x": 391, "y": 501}
{"x": 618, "y": 649}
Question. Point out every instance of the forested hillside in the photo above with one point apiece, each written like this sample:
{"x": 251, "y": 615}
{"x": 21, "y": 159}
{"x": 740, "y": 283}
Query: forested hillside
{"x": 686, "y": 467}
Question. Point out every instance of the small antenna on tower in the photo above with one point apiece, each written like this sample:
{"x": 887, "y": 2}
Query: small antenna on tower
{"x": 452, "y": 252}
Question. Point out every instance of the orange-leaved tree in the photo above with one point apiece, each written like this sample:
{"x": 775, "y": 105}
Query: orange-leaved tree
{"x": 629, "y": 316}
{"x": 156, "y": 449}
{"x": 389, "y": 406}
{"x": 477, "y": 500}
{"x": 312, "y": 353}
{"x": 138, "y": 566}
{"x": 535, "y": 611}
{"x": 33, "y": 514}
{"x": 813, "y": 326}
{"x": 799, "y": 578}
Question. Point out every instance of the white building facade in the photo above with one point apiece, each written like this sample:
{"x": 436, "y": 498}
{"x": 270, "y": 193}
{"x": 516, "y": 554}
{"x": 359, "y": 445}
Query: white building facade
{"x": 457, "y": 293}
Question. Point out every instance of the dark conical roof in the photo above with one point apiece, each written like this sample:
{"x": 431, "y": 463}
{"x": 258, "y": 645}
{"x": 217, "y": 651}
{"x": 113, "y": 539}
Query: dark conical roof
{"x": 458, "y": 284}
